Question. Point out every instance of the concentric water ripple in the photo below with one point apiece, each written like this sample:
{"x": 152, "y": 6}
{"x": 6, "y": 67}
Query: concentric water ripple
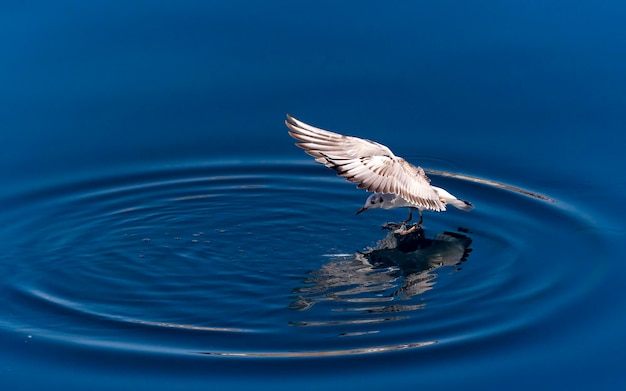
{"x": 214, "y": 258}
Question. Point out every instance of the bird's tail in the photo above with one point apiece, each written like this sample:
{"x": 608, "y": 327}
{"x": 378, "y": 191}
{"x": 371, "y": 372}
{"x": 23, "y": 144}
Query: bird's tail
{"x": 461, "y": 204}
{"x": 452, "y": 200}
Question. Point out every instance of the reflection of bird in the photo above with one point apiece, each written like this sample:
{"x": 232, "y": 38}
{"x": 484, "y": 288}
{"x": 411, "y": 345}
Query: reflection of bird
{"x": 394, "y": 181}
{"x": 399, "y": 266}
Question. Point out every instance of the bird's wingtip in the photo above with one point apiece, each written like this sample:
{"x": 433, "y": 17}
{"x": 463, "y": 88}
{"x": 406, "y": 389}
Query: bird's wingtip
{"x": 291, "y": 122}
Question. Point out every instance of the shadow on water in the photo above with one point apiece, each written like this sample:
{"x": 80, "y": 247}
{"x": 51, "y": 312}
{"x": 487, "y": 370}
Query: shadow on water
{"x": 402, "y": 265}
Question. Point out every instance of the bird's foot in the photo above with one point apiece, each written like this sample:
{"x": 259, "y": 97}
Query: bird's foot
{"x": 401, "y": 228}
{"x": 405, "y": 231}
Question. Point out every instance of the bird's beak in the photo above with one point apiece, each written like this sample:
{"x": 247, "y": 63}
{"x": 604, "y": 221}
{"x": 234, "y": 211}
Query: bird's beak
{"x": 361, "y": 210}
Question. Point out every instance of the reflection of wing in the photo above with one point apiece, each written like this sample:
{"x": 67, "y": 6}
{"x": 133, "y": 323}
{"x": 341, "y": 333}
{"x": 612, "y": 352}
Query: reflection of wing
{"x": 447, "y": 249}
{"x": 370, "y": 164}
{"x": 416, "y": 284}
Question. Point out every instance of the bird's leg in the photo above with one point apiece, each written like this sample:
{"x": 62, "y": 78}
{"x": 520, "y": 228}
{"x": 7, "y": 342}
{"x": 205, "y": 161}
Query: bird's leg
{"x": 410, "y": 215}
{"x": 414, "y": 227}
{"x": 402, "y": 229}
{"x": 398, "y": 226}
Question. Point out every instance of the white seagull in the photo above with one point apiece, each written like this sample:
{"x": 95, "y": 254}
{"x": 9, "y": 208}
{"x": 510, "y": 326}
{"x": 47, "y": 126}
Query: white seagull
{"x": 395, "y": 182}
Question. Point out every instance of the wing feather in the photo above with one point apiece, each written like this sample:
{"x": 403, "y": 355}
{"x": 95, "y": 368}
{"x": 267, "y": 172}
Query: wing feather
{"x": 372, "y": 166}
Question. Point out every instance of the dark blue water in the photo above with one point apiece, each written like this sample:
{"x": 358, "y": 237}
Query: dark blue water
{"x": 160, "y": 230}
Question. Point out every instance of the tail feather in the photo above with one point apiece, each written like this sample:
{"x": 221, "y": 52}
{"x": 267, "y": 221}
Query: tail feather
{"x": 461, "y": 204}
{"x": 452, "y": 200}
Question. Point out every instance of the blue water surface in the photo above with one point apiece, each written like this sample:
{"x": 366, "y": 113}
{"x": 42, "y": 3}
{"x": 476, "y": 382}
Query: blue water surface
{"x": 159, "y": 229}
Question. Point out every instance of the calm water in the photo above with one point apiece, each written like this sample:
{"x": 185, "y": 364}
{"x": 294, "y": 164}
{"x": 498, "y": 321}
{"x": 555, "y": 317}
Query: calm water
{"x": 160, "y": 230}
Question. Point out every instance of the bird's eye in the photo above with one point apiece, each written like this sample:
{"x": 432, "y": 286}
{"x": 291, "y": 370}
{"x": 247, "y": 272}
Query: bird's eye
{"x": 380, "y": 200}
{"x": 372, "y": 202}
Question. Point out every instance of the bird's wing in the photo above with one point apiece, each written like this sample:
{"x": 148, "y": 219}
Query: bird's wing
{"x": 369, "y": 164}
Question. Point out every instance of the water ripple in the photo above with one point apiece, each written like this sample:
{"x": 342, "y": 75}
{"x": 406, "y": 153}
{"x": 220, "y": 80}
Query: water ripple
{"x": 266, "y": 259}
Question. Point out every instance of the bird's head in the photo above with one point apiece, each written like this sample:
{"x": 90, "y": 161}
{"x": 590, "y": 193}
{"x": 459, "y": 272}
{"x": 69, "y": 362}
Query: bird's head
{"x": 375, "y": 200}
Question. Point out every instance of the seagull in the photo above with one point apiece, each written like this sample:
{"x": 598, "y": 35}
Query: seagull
{"x": 395, "y": 182}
